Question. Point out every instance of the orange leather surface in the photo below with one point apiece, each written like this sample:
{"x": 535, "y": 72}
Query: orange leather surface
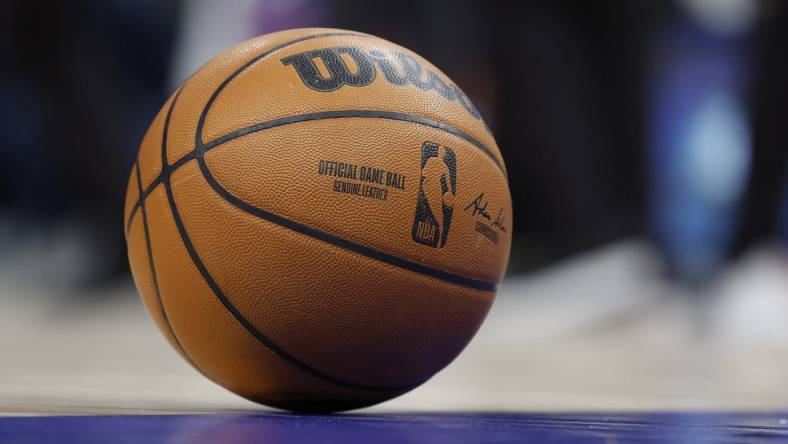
{"x": 217, "y": 343}
{"x": 290, "y": 288}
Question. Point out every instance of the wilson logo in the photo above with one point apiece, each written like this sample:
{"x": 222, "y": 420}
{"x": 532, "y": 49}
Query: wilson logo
{"x": 398, "y": 69}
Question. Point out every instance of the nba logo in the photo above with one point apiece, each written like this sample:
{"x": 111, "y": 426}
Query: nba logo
{"x": 435, "y": 203}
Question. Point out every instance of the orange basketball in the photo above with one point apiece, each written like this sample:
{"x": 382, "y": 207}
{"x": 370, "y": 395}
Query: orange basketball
{"x": 318, "y": 220}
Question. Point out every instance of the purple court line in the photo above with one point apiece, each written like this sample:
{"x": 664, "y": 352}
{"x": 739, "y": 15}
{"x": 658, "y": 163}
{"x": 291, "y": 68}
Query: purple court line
{"x": 459, "y": 428}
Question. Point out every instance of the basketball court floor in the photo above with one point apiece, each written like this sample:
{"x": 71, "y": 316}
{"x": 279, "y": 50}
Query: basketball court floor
{"x": 596, "y": 349}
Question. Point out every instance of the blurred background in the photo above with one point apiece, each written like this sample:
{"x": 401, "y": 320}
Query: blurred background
{"x": 648, "y": 163}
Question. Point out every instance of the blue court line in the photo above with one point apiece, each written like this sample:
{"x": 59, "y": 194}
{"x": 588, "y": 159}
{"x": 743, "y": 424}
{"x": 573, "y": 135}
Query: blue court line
{"x": 459, "y": 428}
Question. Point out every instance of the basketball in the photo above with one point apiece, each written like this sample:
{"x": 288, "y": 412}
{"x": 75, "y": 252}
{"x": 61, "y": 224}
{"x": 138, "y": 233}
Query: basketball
{"x": 318, "y": 220}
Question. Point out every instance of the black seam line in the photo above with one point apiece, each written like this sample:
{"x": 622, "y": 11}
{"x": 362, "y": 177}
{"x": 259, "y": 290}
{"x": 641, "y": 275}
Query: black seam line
{"x": 166, "y": 168}
{"x": 339, "y": 241}
{"x": 127, "y": 222}
{"x": 228, "y": 305}
{"x": 204, "y": 114}
{"x": 359, "y": 113}
{"x": 154, "y": 276}
{"x": 156, "y": 182}
{"x": 143, "y": 195}
{"x": 165, "y": 165}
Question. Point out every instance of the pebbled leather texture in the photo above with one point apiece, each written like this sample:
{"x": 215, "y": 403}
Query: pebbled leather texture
{"x": 318, "y": 249}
